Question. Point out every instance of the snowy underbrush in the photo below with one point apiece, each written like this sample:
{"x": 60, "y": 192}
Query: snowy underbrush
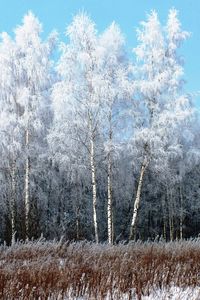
{"x": 58, "y": 270}
{"x": 174, "y": 293}
{"x": 170, "y": 293}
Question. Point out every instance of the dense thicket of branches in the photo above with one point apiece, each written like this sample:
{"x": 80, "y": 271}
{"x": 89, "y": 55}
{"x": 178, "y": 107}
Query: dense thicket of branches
{"x": 97, "y": 145}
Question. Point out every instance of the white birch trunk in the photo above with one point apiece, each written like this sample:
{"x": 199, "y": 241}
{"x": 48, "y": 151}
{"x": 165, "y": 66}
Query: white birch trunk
{"x": 137, "y": 199}
{"x": 13, "y": 197}
{"x": 171, "y": 216}
{"x": 26, "y": 188}
{"x": 109, "y": 204}
{"x": 109, "y": 208}
{"x": 181, "y": 213}
{"x": 164, "y": 218}
{"x": 170, "y": 213}
{"x": 94, "y": 188}
{"x": 77, "y": 208}
{"x": 77, "y": 224}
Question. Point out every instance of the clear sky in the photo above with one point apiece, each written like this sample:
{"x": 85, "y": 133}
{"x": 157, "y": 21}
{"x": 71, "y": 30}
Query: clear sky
{"x": 56, "y": 14}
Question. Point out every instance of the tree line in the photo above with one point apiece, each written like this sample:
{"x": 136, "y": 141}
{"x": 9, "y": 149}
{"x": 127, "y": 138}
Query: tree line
{"x": 97, "y": 143}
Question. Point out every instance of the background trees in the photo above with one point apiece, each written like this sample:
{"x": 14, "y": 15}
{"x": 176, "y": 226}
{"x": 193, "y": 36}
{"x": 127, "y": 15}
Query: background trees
{"x": 103, "y": 141}
{"x": 25, "y": 83}
{"x": 159, "y": 88}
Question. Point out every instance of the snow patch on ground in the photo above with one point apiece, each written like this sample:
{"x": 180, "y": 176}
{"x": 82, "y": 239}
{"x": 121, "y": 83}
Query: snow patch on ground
{"x": 171, "y": 293}
{"x": 175, "y": 293}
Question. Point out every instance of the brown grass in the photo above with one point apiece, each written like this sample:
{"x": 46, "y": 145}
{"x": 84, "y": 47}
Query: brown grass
{"x": 38, "y": 270}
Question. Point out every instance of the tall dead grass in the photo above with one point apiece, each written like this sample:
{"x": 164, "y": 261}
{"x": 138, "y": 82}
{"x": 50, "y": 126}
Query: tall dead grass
{"x": 58, "y": 270}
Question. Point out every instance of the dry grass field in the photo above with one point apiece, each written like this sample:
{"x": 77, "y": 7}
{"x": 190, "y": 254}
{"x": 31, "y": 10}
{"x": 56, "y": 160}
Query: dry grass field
{"x": 62, "y": 270}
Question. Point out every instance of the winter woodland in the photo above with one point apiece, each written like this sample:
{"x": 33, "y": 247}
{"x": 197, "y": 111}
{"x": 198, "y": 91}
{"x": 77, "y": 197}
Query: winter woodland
{"x": 97, "y": 142}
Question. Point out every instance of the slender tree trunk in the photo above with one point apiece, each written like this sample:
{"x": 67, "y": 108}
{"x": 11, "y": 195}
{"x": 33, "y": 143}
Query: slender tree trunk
{"x": 13, "y": 198}
{"x": 77, "y": 223}
{"x": 164, "y": 218}
{"x": 113, "y": 233}
{"x": 137, "y": 199}
{"x": 26, "y": 189}
{"x": 170, "y": 214}
{"x": 109, "y": 208}
{"x": 171, "y": 229}
{"x": 77, "y": 207}
{"x": 109, "y": 204}
{"x": 94, "y": 188}
{"x": 181, "y": 212}
{"x": 48, "y": 215}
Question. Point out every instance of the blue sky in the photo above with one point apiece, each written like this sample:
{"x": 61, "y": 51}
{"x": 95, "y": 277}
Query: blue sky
{"x": 127, "y": 13}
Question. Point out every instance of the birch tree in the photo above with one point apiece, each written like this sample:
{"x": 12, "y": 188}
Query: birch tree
{"x": 116, "y": 88}
{"x": 9, "y": 128}
{"x": 159, "y": 88}
{"x": 33, "y": 79}
{"x": 76, "y": 100}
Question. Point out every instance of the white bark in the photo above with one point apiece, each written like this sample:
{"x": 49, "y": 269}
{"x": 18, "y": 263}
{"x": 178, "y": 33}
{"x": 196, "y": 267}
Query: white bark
{"x": 94, "y": 188}
{"x": 13, "y": 197}
{"x": 164, "y": 218}
{"x": 109, "y": 204}
{"x": 181, "y": 213}
{"x": 26, "y": 188}
{"x": 109, "y": 208}
{"x": 137, "y": 199}
{"x": 77, "y": 223}
{"x": 77, "y": 208}
{"x": 171, "y": 217}
{"x": 170, "y": 213}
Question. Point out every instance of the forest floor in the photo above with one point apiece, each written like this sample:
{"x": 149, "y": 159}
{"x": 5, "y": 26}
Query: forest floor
{"x": 62, "y": 270}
